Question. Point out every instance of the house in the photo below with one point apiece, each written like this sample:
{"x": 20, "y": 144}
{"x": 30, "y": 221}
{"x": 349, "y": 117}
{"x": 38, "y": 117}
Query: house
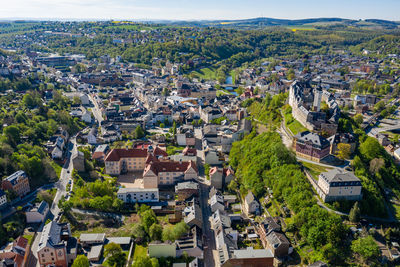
{"x": 220, "y": 177}
{"x": 278, "y": 244}
{"x": 17, "y": 182}
{"x": 16, "y": 255}
{"x": 38, "y": 213}
{"x": 216, "y": 202}
{"x": 212, "y": 157}
{"x": 57, "y": 151}
{"x": 139, "y": 195}
{"x": 78, "y": 161}
{"x": 92, "y": 136}
{"x": 192, "y": 215}
{"x": 251, "y": 205}
{"x": 3, "y": 198}
{"x": 56, "y": 245}
{"x": 191, "y": 243}
{"x": 337, "y": 184}
{"x": 250, "y": 257}
{"x": 100, "y": 152}
{"x": 185, "y": 190}
{"x": 159, "y": 249}
{"x": 311, "y": 146}
{"x": 185, "y": 136}
{"x": 207, "y": 114}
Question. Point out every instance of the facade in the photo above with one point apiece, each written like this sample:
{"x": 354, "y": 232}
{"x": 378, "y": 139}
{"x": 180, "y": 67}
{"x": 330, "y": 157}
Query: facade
{"x": 56, "y": 245}
{"x": 17, "y": 182}
{"x": 140, "y": 195}
{"x": 78, "y": 161}
{"x": 339, "y": 185}
{"x": 220, "y": 177}
{"x": 38, "y": 213}
{"x": 168, "y": 173}
{"x": 311, "y": 146}
{"x": 251, "y": 205}
{"x": 123, "y": 160}
{"x": 3, "y": 198}
{"x": 278, "y": 244}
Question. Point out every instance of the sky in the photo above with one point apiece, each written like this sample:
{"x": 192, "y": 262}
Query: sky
{"x": 198, "y": 9}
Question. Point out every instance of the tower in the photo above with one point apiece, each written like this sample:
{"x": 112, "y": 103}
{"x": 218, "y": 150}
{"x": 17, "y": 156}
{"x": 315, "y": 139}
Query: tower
{"x": 317, "y": 99}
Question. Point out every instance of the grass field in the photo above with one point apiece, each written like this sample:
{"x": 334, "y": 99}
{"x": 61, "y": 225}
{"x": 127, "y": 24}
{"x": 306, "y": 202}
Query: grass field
{"x": 206, "y": 74}
{"x": 315, "y": 169}
{"x": 294, "y": 126}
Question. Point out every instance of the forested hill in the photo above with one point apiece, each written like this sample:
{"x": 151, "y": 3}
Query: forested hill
{"x": 268, "y": 22}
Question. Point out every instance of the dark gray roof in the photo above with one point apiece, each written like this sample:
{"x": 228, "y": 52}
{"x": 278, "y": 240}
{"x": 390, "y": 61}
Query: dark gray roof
{"x": 314, "y": 138}
{"x": 249, "y": 197}
{"x": 339, "y": 175}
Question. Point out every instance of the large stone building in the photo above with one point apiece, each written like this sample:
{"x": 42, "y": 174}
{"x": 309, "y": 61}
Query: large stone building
{"x": 56, "y": 246}
{"x": 123, "y": 160}
{"x": 168, "y": 173}
{"x": 337, "y": 184}
{"x": 311, "y": 146}
{"x": 306, "y": 104}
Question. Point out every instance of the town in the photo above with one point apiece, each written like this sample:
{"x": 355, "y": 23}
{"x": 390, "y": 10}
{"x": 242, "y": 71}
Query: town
{"x": 289, "y": 160}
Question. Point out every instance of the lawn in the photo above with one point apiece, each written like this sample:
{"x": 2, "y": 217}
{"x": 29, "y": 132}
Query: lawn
{"x": 139, "y": 251}
{"x": 172, "y": 150}
{"x": 315, "y": 169}
{"x": 294, "y": 126}
{"x": 206, "y": 74}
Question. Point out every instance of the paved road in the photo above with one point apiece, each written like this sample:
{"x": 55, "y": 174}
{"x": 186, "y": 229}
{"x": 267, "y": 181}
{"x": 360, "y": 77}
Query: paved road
{"x": 96, "y": 109}
{"x": 61, "y": 186}
{"x": 208, "y": 234}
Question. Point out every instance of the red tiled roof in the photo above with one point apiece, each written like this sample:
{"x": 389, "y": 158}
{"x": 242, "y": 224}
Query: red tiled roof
{"x": 170, "y": 166}
{"x": 117, "y": 153}
{"x": 189, "y": 151}
{"x": 21, "y": 242}
{"x": 97, "y": 155}
{"x": 7, "y": 255}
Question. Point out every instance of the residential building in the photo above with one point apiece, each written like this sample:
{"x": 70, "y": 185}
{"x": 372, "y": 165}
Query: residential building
{"x": 185, "y": 190}
{"x": 251, "y": 205}
{"x": 337, "y": 184}
{"x": 139, "y": 195}
{"x": 17, "y": 182}
{"x": 100, "y": 152}
{"x": 38, "y": 213}
{"x": 78, "y": 161}
{"x": 56, "y": 245}
{"x": 15, "y": 256}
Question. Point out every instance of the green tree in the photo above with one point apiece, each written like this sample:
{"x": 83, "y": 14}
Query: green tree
{"x": 81, "y": 261}
{"x": 13, "y": 135}
{"x": 355, "y": 213}
{"x": 139, "y": 233}
{"x": 148, "y": 218}
{"x": 376, "y": 164}
{"x": 115, "y": 256}
{"x": 359, "y": 119}
{"x": 155, "y": 232}
{"x": 366, "y": 248}
{"x": 343, "y": 151}
{"x": 370, "y": 148}
{"x": 139, "y": 133}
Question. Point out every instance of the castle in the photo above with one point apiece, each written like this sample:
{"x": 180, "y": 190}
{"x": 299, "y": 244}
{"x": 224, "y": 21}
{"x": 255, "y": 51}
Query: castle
{"x": 306, "y": 108}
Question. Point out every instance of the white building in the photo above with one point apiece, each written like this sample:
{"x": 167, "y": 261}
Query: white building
{"x": 140, "y": 195}
{"x": 337, "y": 184}
{"x": 38, "y": 213}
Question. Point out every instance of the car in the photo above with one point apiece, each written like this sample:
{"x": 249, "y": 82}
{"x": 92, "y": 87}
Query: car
{"x": 70, "y": 181}
{"x": 67, "y": 171}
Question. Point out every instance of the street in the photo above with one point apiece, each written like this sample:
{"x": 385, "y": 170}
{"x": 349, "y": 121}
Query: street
{"x": 96, "y": 109}
{"x": 61, "y": 186}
